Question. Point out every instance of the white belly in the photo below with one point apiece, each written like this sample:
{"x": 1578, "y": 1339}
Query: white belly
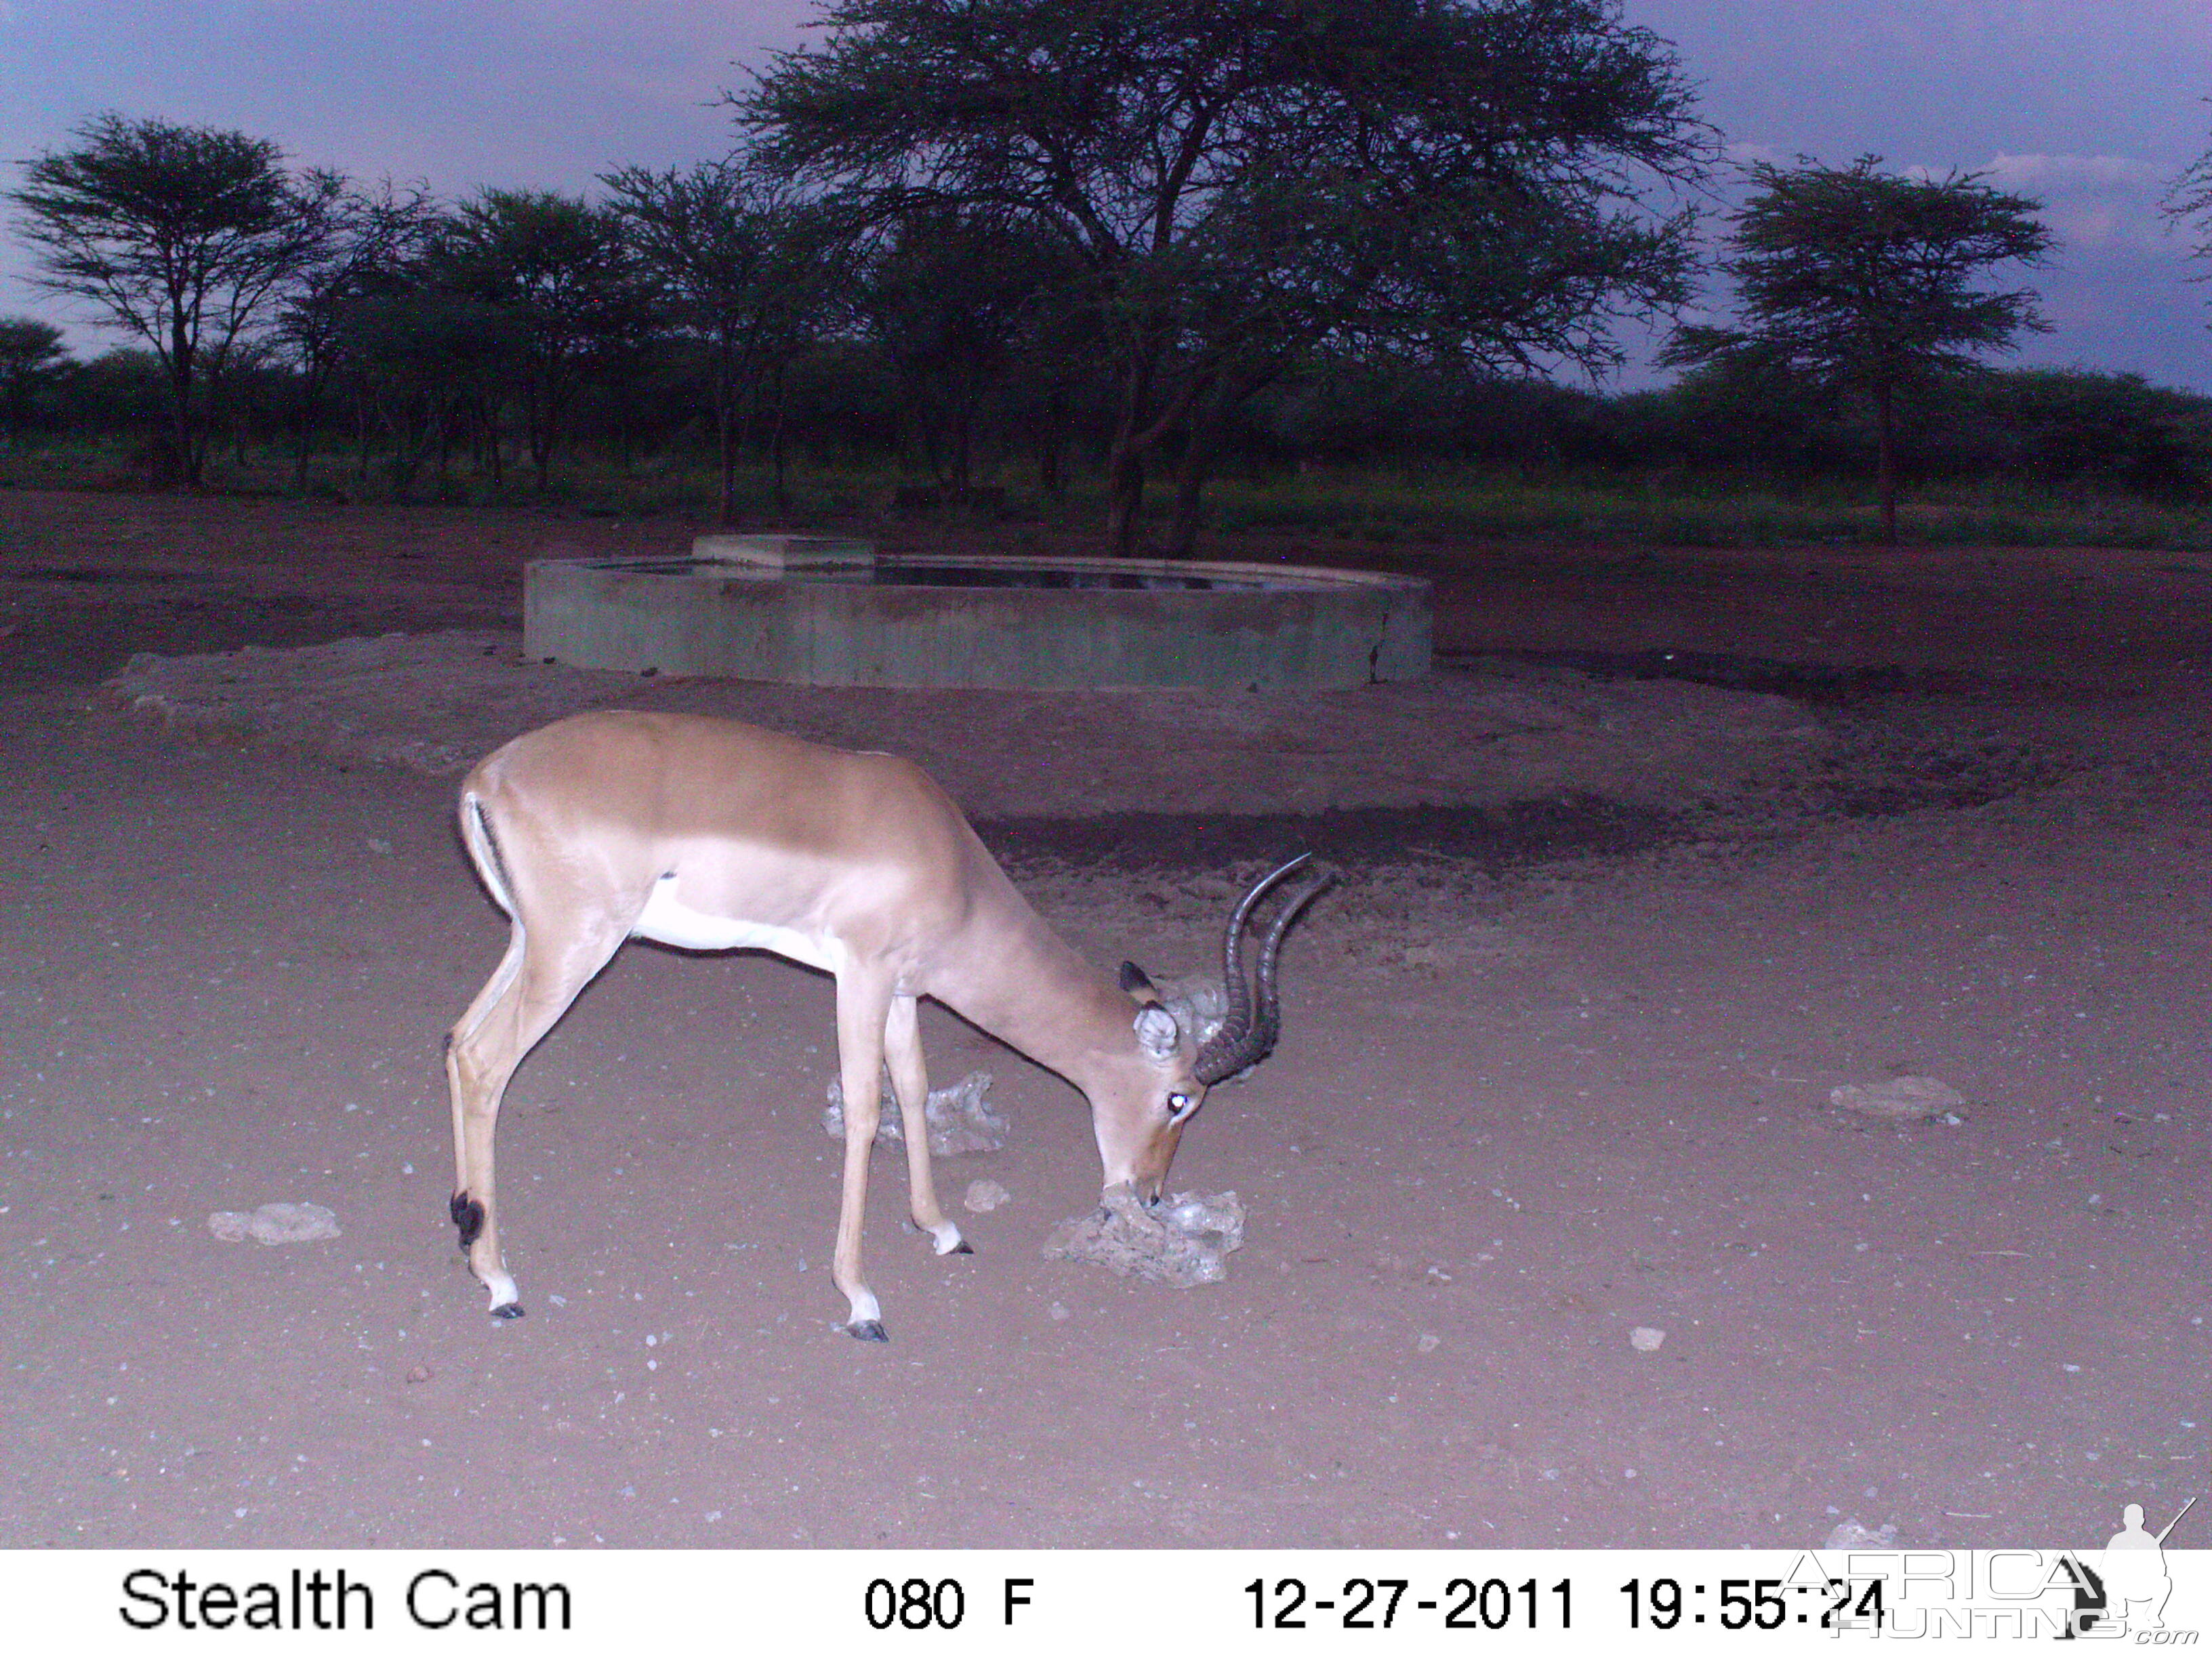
{"x": 667, "y": 921}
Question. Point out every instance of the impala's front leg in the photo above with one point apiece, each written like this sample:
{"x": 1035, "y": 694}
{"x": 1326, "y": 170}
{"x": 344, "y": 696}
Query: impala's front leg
{"x": 863, "y": 1002}
{"x": 910, "y": 1082}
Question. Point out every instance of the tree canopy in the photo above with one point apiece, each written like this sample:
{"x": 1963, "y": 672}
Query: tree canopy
{"x": 743, "y": 264}
{"x": 2188, "y": 208}
{"x": 554, "y": 271}
{"x": 1243, "y": 183}
{"x": 32, "y": 358}
{"x": 181, "y": 236}
{"x": 1857, "y": 277}
{"x": 376, "y": 237}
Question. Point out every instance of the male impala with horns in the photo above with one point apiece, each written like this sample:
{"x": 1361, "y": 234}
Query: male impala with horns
{"x": 712, "y": 835}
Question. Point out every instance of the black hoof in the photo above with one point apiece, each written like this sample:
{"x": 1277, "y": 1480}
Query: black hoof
{"x": 508, "y": 1310}
{"x": 963, "y": 1248}
{"x": 468, "y": 1216}
{"x": 868, "y": 1330}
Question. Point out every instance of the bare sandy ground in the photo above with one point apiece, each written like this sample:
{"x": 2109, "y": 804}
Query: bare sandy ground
{"x": 1556, "y": 1069}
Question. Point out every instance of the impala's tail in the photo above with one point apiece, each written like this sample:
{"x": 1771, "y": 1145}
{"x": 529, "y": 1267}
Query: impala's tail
{"x": 484, "y": 852}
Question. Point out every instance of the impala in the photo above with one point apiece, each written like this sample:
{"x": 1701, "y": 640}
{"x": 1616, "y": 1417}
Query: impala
{"x": 714, "y": 835}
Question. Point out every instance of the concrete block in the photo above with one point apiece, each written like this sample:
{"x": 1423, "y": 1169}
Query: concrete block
{"x": 982, "y": 621}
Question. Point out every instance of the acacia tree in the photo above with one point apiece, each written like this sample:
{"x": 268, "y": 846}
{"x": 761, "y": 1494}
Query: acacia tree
{"x": 2188, "y": 210}
{"x": 554, "y": 269}
{"x": 1245, "y": 181}
{"x": 377, "y": 238}
{"x": 32, "y": 358}
{"x": 183, "y": 236}
{"x": 417, "y": 365}
{"x": 954, "y": 305}
{"x": 2188, "y": 207}
{"x": 746, "y": 267}
{"x": 1871, "y": 281}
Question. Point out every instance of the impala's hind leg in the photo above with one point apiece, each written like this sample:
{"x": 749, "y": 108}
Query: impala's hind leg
{"x": 494, "y": 993}
{"x": 910, "y": 1082}
{"x": 544, "y": 970}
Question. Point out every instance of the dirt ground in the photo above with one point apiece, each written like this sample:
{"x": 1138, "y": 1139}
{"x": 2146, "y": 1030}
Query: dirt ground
{"x": 1675, "y": 843}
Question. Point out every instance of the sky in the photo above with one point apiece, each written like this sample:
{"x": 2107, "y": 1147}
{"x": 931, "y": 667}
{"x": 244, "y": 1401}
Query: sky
{"x": 2091, "y": 105}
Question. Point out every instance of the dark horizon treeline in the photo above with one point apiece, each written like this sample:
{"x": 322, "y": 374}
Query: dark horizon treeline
{"x": 717, "y": 317}
{"x": 841, "y": 405}
{"x": 1109, "y": 252}
{"x": 502, "y": 334}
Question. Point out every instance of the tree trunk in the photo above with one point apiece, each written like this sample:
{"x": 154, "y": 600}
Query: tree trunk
{"x": 310, "y": 411}
{"x": 541, "y": 416}
{"x": 1192, "y": 471}
{"x": 214, "y": 416}
{"x": 1196, "y": 408}
{"x": 725, "y": 495}
{"x": 1209, "y": 416}
{"x": 1885, "y": 466}
{"x": 1125, "y": 456}
{"x": 180, "y": 404}
{"x": 411, "y": 443}
{"x": 775, "y": 448}
{"x": 1125, "y": 495}
{"x": 488, "y": 415}
{"x": 725, "y": 434}
{"x": 538, "y": 431}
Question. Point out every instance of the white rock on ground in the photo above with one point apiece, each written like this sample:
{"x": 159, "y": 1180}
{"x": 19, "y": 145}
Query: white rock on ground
{"x": 984, "y": 1196}
{"x": 275, "y": 1224}
{"x": 1900, "y": 1100}
{"x": 960, "y": 1120}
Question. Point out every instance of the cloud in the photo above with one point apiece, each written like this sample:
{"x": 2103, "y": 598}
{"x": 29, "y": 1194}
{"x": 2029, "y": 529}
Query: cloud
{"x": 1745, "y": 152}
{"x": 2091, "y": 201}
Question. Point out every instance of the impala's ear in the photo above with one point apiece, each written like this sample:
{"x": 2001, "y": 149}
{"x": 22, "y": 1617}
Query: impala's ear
{"x": 1134, "y": 982}
{"x": 1158, "y": 1034}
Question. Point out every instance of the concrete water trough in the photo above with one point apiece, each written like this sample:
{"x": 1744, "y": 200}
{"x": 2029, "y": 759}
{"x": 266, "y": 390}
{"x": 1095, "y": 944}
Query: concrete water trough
{"x": 818, "y": 610}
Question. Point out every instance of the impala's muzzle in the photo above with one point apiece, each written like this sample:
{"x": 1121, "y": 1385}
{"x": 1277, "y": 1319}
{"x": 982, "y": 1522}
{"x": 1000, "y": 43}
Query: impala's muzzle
{"x": 1147, "y": 1194}
{"x": 1143, "y": 1180}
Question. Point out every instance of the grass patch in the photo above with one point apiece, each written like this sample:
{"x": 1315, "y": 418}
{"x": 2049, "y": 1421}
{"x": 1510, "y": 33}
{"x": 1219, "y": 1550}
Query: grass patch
{"x": 1706, "y": 512}
{"x": 1372, "y": 506}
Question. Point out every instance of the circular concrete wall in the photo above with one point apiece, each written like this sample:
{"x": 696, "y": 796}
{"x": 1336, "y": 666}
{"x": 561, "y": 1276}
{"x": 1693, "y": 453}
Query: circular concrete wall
{"x": 981, "y": 621}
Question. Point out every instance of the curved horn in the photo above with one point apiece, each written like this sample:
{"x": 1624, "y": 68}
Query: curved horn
{"x": 1267, "y": 1022}
{"x": 1236, "y": 1018}
{"x": 1247, "y": 1032}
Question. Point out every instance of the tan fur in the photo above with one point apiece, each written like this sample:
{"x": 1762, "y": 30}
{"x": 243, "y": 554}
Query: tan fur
{"x": 854, "y": 862}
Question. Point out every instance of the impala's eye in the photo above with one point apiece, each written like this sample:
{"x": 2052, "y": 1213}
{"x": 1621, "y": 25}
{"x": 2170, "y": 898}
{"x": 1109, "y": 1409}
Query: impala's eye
{"x": 1179, "y": 1105}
